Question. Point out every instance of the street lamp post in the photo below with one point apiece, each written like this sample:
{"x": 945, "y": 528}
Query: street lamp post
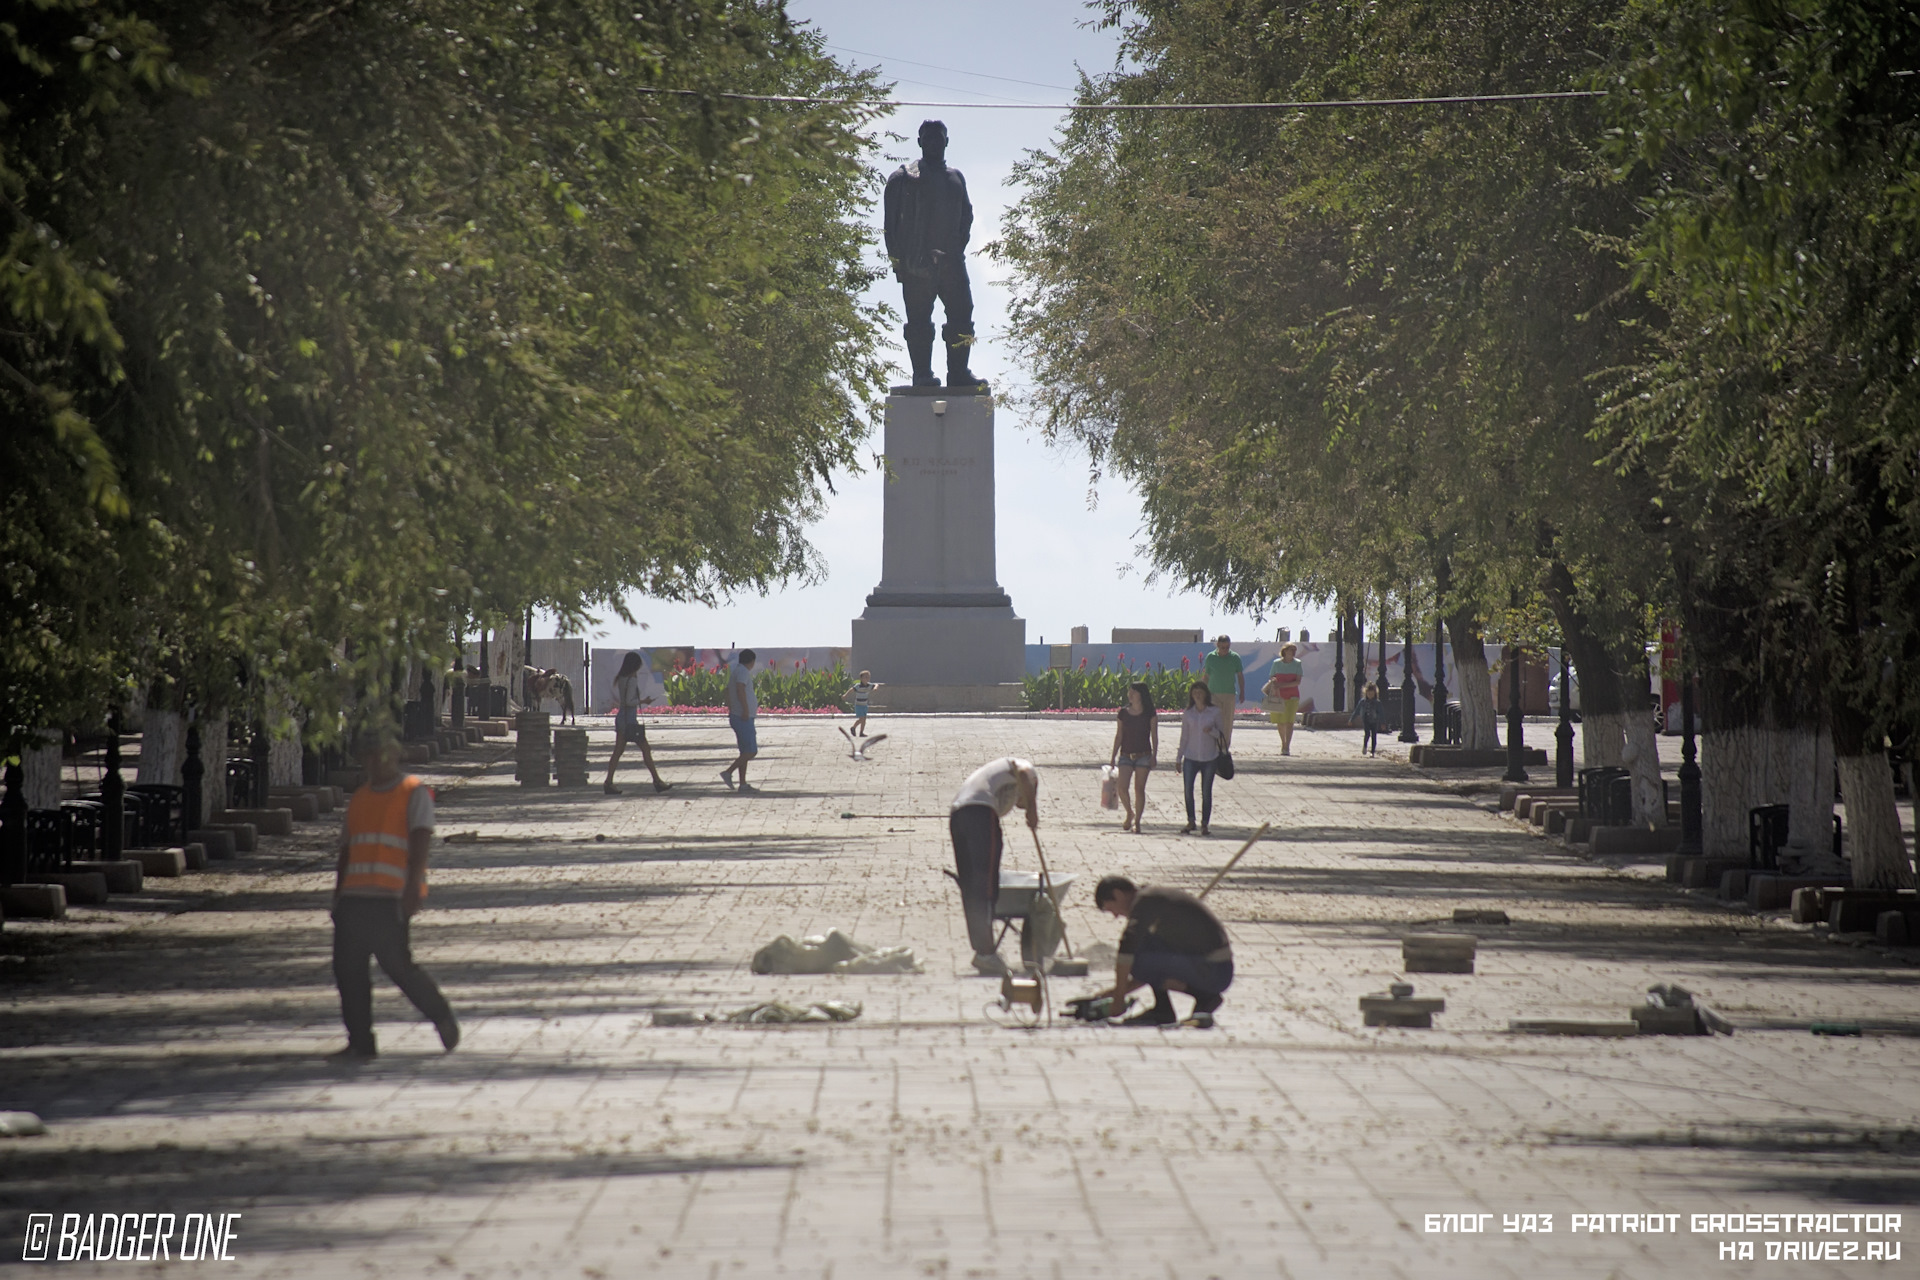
{"x": 1408, "y": 694}
{"x": 1380, "y": 676}
{"x": 1563, "y": 736}
{"x": 1691, "y": 844}
{"x": 113, "y": 796}
{"x": 1442, "y": 718}
{"x": 1339, "y": 655}
{"x": 1516, "y": 729}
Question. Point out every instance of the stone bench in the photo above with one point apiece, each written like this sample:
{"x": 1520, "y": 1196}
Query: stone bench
{"x": 83, "y": 888}
{"x": 265, "y": 822}
{"x": 223, "y": 841}
{"x": 34, "y": 902}
{"x": 123, "y": 875}
{"x": 1522, "y": 797}
{"x": 165, "y": 864}
{"x": 1616, "y": 841}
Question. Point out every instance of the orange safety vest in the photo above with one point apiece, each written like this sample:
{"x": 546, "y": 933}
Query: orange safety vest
{"x": 377, "y": 840}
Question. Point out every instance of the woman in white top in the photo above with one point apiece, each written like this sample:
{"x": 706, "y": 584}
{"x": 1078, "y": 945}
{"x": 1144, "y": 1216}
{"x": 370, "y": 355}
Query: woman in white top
{"x": 1199, "y": 748}
{"x": 627, "y": 701}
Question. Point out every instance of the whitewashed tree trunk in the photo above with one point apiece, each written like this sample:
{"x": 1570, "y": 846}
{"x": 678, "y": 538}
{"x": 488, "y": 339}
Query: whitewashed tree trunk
{"x": 40, "y": 771}
{"x": 1810, "y": 793}
{"x": 1479, "y": 725}
{"x": 163, "y": 746}
{"x": 1730, "y": 760}
{"x": 1641, "y": 756}
{"x": 1603, "y": 739}
{"x": 213, "y": 755}
{"x": 509, "y": 664}
{"x": 1875, "y": 842}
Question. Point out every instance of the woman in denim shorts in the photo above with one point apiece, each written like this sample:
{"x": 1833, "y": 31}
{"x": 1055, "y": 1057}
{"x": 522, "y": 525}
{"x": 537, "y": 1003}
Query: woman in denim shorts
{"x": 1136, "y": 743}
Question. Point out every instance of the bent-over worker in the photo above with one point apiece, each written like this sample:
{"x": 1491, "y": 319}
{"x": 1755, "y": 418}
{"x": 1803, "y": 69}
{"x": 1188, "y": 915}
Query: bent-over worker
{"x": 1171, "y": 943}
{"x": 988, "y": 794}
{"x": 381, "y": 880}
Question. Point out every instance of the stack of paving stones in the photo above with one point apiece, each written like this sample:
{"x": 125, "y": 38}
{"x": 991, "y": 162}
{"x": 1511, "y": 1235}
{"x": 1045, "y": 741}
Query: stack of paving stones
{"x": 570, "y": 757}
{"x": 533, "y": 756}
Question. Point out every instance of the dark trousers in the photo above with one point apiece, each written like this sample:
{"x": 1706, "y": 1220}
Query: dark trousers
{"x": 1370, "y": 736}
{"x": 976, "y": 862}
{"x": 373, "y": 928}
{"x": 948, "y": 282}
{"x": 1204, "y": 979}
{"x": 1203, "y": 770}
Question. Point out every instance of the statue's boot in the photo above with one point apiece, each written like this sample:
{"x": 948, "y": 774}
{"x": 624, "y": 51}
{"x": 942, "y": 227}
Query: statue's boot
{"x": 920, "y": 353}
{"x": 959, "y": 346}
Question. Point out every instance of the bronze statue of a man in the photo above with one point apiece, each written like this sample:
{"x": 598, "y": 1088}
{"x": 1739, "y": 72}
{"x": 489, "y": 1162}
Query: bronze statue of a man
{"x": 928, "y": 220}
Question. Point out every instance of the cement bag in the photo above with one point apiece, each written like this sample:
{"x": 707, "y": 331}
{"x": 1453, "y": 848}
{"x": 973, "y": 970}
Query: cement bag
{"x": 1109, "y": 787}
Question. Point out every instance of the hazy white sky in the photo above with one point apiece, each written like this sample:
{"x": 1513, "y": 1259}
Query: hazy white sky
{"x": 1066, "y": 559}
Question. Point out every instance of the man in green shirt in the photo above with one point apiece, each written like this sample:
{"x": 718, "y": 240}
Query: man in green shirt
{"x": 1226, "y": 680}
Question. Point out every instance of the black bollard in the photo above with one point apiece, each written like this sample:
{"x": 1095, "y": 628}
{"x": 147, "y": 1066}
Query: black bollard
{"x": 1409, "y": 695}
{"x": 113, "y": 796}
{"x": 1359, "y": 654}
{"x": 193, "y": 772}
{"x": 262, "y": 763}
{"x": 1442, "y": 723}
{"x": 1563, "y": 736}
{"x": 1516, "y": 725}
{"x": 1691, "y": 843}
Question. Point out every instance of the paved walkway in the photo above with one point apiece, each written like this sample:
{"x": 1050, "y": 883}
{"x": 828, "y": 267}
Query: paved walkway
{"x": 174, "y": 1044}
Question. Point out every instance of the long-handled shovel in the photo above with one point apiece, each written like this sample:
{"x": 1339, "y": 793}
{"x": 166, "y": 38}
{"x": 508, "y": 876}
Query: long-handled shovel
{"x": 1236, "y": 857}
{"x": 1046, "y": 887}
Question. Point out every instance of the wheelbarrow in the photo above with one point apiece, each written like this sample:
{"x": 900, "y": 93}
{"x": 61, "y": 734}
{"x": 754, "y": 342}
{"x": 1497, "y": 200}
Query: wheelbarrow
{"x": 1017, "y": 892}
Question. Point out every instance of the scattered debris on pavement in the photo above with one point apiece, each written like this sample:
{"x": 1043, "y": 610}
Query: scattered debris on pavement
{"x": 832, "y": 952}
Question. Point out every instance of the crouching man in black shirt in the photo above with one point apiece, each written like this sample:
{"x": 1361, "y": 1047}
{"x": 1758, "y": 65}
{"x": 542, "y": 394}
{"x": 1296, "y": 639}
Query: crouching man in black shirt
{"x": 1171, "y": 943}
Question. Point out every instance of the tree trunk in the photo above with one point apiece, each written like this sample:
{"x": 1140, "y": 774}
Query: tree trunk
{"x": 1875, "y": 843}
{"x": 1473, "y": 682}
{"x": 213, "y": 754}
{"x": 1603, "y": 703}
{"x": 1641, "y": 756}
{"x": 40, "y": 771}
{"x": 283, "y": 759}
{"x": 163, "y": 746}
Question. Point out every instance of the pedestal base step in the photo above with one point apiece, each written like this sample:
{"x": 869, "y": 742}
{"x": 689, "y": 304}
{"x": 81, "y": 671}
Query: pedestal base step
{"x": 950, "y": 697}
{"x": 1429, "y": 756}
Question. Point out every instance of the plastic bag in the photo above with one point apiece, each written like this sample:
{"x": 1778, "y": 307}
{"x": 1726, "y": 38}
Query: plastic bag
{"x": 1109, "y": 787}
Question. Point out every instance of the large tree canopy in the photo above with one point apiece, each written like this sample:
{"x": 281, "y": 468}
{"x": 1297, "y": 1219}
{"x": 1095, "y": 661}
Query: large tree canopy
{"x": 336, "y": 327}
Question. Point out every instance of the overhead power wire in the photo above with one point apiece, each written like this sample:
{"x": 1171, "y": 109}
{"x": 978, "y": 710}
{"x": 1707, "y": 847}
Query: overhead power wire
{"x": 888, "y": 104}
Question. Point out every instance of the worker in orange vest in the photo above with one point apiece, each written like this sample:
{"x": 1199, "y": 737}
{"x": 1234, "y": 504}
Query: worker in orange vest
{"x": 381, "y": 880}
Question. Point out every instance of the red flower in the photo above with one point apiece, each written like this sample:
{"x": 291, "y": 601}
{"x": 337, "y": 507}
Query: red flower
{"x": 1083, "y": 664}
{"x": 1186, "y": 663}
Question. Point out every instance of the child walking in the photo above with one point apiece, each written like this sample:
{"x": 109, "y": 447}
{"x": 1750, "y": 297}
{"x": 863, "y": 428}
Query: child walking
{"x": 1368, "y": 714}
{"x": 862, "y": 695}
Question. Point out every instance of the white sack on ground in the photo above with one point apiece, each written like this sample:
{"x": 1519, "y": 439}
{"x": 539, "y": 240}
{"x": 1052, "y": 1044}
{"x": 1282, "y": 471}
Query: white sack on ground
{"x": 832, "y": 952}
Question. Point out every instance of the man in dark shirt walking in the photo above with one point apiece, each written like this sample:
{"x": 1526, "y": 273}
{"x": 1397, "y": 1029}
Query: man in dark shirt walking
{"x": 1171, "y": 943}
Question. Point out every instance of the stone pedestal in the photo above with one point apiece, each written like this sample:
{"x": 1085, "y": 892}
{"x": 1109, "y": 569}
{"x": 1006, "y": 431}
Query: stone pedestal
{"x": 938, "y": 633}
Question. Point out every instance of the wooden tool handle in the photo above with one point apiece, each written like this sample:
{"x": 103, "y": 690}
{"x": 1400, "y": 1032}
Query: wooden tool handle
{"x": 1236, "y": 857}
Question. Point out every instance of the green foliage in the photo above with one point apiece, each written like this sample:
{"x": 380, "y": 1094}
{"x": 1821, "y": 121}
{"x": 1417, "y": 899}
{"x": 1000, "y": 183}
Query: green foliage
{"x": 360, "y": 324}
{"x": 1100, "y": 687}
{"x": 810, "y": 690}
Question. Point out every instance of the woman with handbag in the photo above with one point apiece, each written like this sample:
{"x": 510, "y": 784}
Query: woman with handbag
{"x": 1200, "y": 749}
{"x": 1280, "y": 699}
{"x": 1136, "y": 745}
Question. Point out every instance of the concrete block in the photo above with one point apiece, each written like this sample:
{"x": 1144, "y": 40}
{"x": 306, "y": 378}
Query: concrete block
{"x": 1766, "y": 892}
{"x": 1438, "y": 952}
{"x": 266, "y": 822}
{"x": 1855, "y": 912}
{"x": 245, "y": 837}
{"x": 1466, "y": 758}
{"x": 417, "y": 753}
{"x": 122, "y": 876}
{"x": 1617, "y": 841}
{"x": 34, "y": 902}
{"x": 1576, "y": 832}
{"x": 347, "y": 780}
{"x": 1400, "y": 1011}
{"x": 167, "y": 864}
{"x": 304, "y": 808}
{"x": 196, "y": 855}
{"x": 1658, "y": 1020}
{"x": 84, "y": 888}
{"x": 320, "y": 797}
{"x": 1733, "y": 885}
{"x": 1702, "y": 873}
{"x": 1890, "y": 928}
{"x": 1524, "y": 802}
{"x": 474, "y": 736}
{"x": 1572, "y": 1027}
